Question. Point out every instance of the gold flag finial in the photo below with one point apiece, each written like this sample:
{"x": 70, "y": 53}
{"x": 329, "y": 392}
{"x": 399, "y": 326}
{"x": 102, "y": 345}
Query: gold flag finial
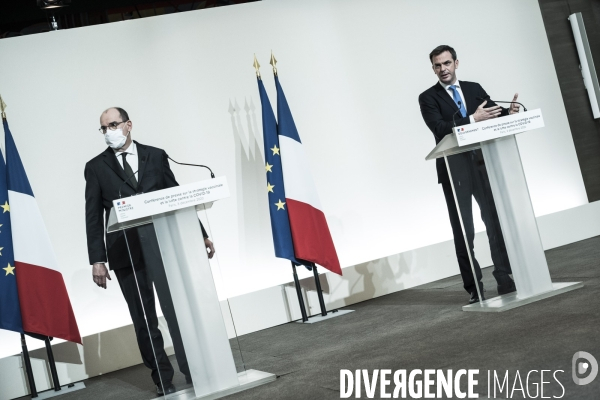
{"x": 273, "y": 62}
{"x": 2, "y": 107}
{"x": 256, "y": 67}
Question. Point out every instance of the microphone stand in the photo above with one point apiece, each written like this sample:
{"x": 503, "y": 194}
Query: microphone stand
{"x": 125, "y": 181}
{"x": 506, "y": 102}
{"x": 193, "y": 165}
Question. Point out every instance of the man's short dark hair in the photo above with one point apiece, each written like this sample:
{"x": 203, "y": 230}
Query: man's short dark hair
{"x": 122, "y": 113}
{"x": 440, "y": 49}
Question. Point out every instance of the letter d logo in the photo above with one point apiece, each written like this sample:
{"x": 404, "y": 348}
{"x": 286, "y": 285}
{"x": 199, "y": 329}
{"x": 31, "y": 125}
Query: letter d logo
{"x": 582, "y": 367}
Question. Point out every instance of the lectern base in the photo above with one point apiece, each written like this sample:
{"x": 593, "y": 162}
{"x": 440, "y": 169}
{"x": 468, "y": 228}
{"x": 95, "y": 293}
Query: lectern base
{"x": 248, "y": 380}
{"x": 63, "y": 390}
{"x": 318, "y": 318}
{"x": 509, "y": 301}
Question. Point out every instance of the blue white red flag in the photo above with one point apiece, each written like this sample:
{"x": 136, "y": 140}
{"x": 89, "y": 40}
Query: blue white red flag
{"x": 43, "y": 298}
{"x": 280, "y": 224}
{"x": 10, "y": 310}
{"x": 310, "y": 232}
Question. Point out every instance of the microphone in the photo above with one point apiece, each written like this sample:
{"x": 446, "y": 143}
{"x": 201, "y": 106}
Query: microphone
{"x": 193, "y": 165}
{"x": 125, "y": 181}
{"x": 496, "y": 101}
{"x": 456, "y": 112}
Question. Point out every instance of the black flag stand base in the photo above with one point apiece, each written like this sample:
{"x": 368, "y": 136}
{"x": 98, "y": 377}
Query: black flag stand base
{"x": 324, "y": 315}
{"x": 56, "y": 391}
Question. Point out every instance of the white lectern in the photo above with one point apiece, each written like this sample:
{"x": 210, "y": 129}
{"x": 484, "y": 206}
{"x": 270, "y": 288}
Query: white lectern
{"x": 173, "y": 212}
{"x": 496, "y": 138}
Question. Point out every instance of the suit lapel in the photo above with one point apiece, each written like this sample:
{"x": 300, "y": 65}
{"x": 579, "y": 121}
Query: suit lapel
{"x": 111, "y": 161}
{"x": 142, "y": 161}
{"x": 444, "y": 95}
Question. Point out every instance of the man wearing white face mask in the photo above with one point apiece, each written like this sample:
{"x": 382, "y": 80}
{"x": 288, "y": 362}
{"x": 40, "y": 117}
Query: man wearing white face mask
{"x": 131, "y": 167}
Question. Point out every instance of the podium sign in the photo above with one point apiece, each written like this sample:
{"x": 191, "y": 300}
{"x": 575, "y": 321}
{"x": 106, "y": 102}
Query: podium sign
{"x": 171, "y": 199}
{"x": 498, "y": 127}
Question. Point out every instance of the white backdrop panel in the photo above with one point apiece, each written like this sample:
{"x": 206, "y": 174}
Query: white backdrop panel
{"x": 352, "y": 71}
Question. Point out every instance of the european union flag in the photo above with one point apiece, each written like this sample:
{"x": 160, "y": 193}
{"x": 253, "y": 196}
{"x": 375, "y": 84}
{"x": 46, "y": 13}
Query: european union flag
{"x": 10, "y": 310}
{"x": 280, "y": 223}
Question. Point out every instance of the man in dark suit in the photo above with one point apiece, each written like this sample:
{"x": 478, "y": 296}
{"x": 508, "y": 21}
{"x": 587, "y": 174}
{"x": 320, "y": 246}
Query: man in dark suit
{"x": 130, "y": 167}
{"x": 452, "y": 103}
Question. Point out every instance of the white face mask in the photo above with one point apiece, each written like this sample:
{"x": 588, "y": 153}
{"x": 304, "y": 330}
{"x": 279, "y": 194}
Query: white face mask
{"x": 115, "y": 139}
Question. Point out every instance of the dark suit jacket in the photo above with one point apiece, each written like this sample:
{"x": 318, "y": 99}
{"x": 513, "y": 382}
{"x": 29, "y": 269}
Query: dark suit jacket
{"x": 103, "y": 178}
{"x": 437, "y": 108}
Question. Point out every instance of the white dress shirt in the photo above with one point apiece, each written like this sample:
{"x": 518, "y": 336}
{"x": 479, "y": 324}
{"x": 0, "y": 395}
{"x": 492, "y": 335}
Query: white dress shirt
{"x": 132, "y": 157}
{"x": 460, "y": 93}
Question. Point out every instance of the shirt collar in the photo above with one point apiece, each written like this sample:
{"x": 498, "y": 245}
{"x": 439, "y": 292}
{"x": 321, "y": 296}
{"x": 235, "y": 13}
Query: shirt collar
{"x": 132, "y": 149}
{"x": 446, "y": 86}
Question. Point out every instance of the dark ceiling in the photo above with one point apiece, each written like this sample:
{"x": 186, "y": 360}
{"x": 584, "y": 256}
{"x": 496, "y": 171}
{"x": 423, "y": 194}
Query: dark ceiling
{"x": 22, "y": 17}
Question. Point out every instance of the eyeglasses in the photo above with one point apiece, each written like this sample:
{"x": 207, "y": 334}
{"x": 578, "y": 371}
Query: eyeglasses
{"x": 112, "y": 126}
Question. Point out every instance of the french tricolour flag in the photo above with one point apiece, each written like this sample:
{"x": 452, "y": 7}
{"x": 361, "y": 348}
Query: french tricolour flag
{"x": 310, "y": 232}
{"x": 44, "y": 301}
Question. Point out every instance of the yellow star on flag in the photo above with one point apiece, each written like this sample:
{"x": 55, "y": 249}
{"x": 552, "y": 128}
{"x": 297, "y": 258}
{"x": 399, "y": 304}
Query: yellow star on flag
{"x": 268, "y": 167}
{"x": 1, "y": 248}
{"x": 280, "y": 205}
{"x": 275, "y": 150}
{"x": 5, "y": 207}
{"x": 9, "y": 270}
{"x": 269, "y": 189}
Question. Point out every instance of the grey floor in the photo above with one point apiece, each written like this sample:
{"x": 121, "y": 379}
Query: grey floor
{"x": 419, "y": 328}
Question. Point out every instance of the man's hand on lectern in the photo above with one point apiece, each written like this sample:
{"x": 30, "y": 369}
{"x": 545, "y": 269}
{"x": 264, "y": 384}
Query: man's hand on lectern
{"x": 100, "y": 273}
{"x": 210, "y": 248}
{"x": 481, "y": 114}
{"x": 514, "y": 108}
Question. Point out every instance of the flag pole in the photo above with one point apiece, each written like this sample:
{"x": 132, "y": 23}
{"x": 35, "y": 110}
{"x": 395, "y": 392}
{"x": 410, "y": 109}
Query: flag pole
{"x": 299, "y": 293}
{"x": 296, "y": 280}
{"x": 25, "y": 353}
{"x": 256, "y": 66}
{"x": 2, "y": 108}
{"x": 273, "y": 63}
{"x": 319, "y": 290}
{"x": 52, "y": 364}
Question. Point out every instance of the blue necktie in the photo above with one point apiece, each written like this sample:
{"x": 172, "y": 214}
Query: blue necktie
{"x": 456, "y": 97}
